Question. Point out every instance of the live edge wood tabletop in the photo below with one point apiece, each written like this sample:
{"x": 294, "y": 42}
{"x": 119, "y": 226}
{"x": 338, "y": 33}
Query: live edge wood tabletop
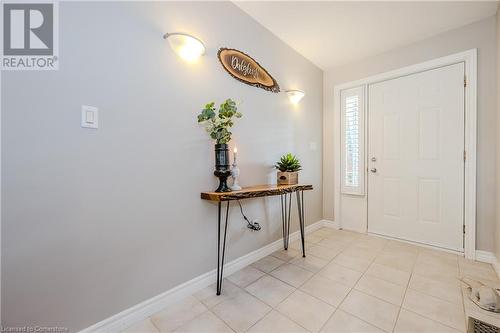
{"x": 284, "y": 191}
{"x": 254, "y": 192}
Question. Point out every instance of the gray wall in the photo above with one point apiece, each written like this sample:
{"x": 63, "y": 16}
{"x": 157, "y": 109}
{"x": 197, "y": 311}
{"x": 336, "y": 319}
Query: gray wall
{"x": 480, "y": 35}
{"x": 96, "y": 221}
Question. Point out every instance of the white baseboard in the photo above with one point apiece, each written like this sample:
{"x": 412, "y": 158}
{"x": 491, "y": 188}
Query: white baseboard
{"x": 496, "y": 266}
{"x": 485, "y": 256}
{"x": 143, "y": 310}
{"x": 330, "y": 224}
{"x": 490, "y": 258}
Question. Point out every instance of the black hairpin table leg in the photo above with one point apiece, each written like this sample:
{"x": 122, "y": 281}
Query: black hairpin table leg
{"x": 220, "y": 260}
{"x": 286, "y": 207}
{"x": 300, "y": 208}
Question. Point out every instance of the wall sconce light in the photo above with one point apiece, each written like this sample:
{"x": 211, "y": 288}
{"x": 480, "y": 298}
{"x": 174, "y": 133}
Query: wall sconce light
{"x": 185, "y": 45}
{"x": 295, "y": 95}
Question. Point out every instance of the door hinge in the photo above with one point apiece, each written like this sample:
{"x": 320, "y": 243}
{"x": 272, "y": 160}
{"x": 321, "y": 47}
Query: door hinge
{"x": 465, "y": 81}
{"x": 465, "y": 155}
{"x": 464, "y": 229}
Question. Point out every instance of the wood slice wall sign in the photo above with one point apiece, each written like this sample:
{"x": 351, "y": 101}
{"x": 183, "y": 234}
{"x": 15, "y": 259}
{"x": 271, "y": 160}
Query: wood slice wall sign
{"x": 245, "y": 69}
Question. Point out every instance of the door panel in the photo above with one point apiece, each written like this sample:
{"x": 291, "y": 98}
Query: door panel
{"x": 415, "y": 156}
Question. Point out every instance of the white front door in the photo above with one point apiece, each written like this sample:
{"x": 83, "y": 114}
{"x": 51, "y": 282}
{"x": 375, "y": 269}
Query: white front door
{"x": 416, "y": 157}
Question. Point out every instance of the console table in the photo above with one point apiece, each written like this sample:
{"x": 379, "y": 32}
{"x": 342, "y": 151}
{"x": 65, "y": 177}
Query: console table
{"x": 284, "y": 191}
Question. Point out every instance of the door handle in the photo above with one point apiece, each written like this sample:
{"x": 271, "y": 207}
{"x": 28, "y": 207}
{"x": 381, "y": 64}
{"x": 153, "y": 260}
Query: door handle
{"x": 374, "y": 170}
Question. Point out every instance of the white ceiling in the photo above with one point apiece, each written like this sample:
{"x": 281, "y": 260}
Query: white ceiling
{"x": 335, "y": 33}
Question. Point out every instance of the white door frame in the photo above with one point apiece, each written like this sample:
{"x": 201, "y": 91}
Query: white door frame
{"x": 470, "y": 59}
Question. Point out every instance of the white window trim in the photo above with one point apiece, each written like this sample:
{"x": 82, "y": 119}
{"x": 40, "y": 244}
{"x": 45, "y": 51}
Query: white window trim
{"x": 344, "y": 94}
{"x": 470, "y": 59}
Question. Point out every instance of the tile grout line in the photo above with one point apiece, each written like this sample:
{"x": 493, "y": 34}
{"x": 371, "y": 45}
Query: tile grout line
{"x": 462, "y": 294}
{"x": 337, "y": 308}
{"x": 249, "y": 294}
{"x": 434, "y": 296}
{"x": 403, "y": 300}
{"x": 404, "y": 296}
{"x": 277, "y": 278}
{"x": 194, "y": 318}
{"x": 377, "y": 297}
{"x": 423, "y": 315}
{"x": 153, "y": 323}
{"x": 276, "y": 307}
{"x": 190, "y": 320}
{"x": 354, "y": 288}
{"x": 356, "y": 316}
{"x": 298, "y": 288}
{"x": 309, "y": 269}
{"x": 343, "y": 299}
{"x": 364, "y": 293}
{"x": 463, "y": 302}
{"x": 433, "y": 320}
{"x": 215, "y": 314}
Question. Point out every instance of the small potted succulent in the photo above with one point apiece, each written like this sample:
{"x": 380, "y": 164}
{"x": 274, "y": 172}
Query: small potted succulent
{"x": 217, "y": 124}
{"x": 288, "y": 167}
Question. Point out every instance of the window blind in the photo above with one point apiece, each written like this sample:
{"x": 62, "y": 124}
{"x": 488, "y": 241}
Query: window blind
{"x": 353, "y": 140}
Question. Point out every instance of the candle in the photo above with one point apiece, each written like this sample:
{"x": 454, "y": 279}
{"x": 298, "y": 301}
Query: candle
{"x": 235, "y": 153}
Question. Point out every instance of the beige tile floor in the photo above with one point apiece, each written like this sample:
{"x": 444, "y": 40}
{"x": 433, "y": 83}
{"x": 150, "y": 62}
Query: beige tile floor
{"x": 348, "y": 282}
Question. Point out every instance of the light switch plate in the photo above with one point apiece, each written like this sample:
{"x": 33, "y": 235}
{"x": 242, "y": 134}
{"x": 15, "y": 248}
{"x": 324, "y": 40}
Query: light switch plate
{"x": 90, "y": 116}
